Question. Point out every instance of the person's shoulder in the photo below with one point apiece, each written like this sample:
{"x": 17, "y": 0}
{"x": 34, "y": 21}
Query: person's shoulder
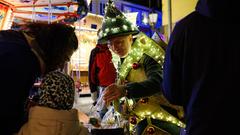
{"x": 56, "y": 75}
{"x": 13, "y": 37}
{"x": 190, "y": 18}
{"x": 191, "y": 15}
{"x": 186, "y": 23}
{"x": 95, "y": 50}
{"x": 10, "y": 33}
{"x": 147, "y": 59}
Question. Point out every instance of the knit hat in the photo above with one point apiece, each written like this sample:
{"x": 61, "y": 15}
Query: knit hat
{"x": 57, "y": 91}
{"x": 115, "y": 24}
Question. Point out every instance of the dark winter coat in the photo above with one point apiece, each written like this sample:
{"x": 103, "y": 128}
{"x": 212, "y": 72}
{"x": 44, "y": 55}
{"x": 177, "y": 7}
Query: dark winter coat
{"x": 202, "y": 68}
{"x": 18, "y": 70}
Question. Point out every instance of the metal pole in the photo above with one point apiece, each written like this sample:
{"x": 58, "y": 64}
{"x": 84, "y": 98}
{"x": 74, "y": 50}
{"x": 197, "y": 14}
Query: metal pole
{"x": 33, "y": 12}
{"x": 149, "y": 4}
{"x": 158, "y": 3}
{"x": 97, "y": 3}
{"x": 150, "y": 23}
{"x": 169, "y": 18}
{"x": 49, "y": 12}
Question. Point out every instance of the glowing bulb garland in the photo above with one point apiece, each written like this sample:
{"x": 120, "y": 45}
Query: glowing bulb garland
{"x": 150, "y": 109}
{"x": 142, "y": 45}
{"x": 114, "y": 24}
{"x": 117, "y": 28}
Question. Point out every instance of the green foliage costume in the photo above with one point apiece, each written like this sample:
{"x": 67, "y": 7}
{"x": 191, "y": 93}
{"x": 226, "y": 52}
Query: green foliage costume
{"x": 145, "y": 107}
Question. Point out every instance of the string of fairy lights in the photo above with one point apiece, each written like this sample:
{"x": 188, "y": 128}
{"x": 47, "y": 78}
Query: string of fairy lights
{"x": 119, "y": 23}
{"x": 143, "y": 44}
{"x": 116, "y": 29}
{"x": 146, "y": 109}
{"x": 115, "y": 23}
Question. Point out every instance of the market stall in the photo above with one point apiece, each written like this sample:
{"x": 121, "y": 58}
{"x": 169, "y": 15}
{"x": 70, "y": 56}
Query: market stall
{"x": 86, "y": 30}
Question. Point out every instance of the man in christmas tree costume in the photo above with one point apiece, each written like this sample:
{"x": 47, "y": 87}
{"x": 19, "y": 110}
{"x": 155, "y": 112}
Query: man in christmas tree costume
{"x": 140, "y": 77}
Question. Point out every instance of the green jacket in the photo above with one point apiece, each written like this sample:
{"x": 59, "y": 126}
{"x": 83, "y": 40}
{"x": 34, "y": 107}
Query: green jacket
{"x": 151, "y": 85}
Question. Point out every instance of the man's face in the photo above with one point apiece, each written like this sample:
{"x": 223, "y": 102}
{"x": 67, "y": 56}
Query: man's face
{"x": 121, "y": 45}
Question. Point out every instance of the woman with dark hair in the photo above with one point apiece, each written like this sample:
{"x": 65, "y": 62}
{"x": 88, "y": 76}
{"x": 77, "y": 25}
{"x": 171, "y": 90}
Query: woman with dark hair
{"x": 57, "y": 42}
{"x": 25, "y": 55}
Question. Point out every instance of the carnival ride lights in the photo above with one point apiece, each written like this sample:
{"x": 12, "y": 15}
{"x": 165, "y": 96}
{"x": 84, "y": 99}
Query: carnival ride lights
{"x": 69, "y": 17}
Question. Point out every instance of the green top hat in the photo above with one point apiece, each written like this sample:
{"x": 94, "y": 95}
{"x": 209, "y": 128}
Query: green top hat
{"x": 115, "y": 24}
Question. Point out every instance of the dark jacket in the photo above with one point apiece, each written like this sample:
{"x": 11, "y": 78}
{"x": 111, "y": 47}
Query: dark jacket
{"x": 18, "y": 70}
{"x": 202, "y": 65}
{"x": 151, "y": 85}
{"x": 101, "y": 68}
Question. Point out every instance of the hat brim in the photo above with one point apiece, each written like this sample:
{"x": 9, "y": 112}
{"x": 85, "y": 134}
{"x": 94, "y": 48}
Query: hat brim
{"x": 105, "y": 39}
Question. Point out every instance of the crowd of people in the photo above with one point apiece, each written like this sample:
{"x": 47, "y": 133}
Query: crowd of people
{"x": 187, "y": 87}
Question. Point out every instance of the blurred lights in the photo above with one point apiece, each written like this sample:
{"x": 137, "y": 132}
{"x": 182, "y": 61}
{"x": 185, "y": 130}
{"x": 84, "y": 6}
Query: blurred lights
{"x": 153, "y": 18}
{"x": 8, "y": 20}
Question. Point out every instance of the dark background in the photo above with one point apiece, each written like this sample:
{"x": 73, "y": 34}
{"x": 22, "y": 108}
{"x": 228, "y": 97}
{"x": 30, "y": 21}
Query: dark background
{"x": 155, "y": 4}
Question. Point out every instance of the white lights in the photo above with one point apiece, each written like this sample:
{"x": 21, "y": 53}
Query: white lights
{"x": 145, "y": 19}
{"x": 149, "y": 109}
{"x": 115, "y": 30}
{"x": 152, "y": 18}
{"x": 107, "y": 30}
{"x": 142, "y": 45}
{"x": 113, "y": 19}
{"x": 125, "y": 27}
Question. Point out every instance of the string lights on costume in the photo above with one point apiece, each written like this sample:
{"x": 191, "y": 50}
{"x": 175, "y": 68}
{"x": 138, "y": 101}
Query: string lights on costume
{"x": 116, "y": 29}
{"x": 115, "y": 22}
{"x": 146, "y": 107}
{"x": 142, "y": 45}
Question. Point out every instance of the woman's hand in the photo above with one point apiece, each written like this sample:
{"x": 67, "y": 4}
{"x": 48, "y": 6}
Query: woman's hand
{"x": 113, "y": 92}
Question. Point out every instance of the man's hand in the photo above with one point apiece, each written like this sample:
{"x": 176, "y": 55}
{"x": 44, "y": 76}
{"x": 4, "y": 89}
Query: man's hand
{"x": 113, "y": 92}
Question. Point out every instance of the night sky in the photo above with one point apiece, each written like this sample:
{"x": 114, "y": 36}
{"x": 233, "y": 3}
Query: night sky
{"x": 155, "y": 4}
